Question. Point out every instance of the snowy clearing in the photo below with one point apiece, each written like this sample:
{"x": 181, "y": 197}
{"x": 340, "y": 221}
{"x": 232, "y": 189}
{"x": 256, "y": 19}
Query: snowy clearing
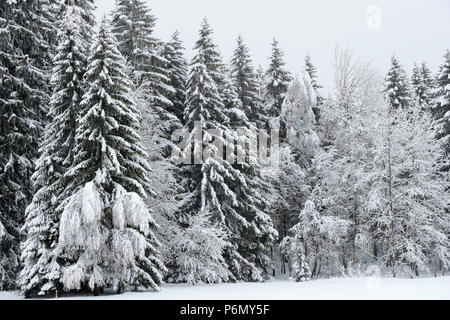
{"x": 337, "y": 288}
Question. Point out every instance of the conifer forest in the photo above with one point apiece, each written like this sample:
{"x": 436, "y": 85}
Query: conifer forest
{"x": 127, "y": 165}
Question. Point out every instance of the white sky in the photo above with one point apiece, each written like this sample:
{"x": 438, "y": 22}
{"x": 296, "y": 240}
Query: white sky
{"x": 415, "y": 30}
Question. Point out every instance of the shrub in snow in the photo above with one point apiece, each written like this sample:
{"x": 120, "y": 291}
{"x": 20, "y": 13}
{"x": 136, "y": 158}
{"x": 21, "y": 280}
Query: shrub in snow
{"x": 312, "y": 238}
{"x": 196, "y": 252}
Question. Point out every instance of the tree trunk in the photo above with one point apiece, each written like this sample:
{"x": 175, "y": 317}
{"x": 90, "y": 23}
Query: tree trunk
{"x": 391, "y": 210}
{"x": 272, "y": 255}
{"x": 355, "y": 224}
{"x": 375, "y": 251}
{"x": 96, "y": 291}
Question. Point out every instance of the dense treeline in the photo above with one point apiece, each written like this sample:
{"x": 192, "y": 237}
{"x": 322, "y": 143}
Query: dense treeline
{"x": 113, "y": 174}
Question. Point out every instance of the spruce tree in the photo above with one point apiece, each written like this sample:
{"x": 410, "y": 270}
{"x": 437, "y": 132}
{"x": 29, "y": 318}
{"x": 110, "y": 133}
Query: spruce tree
{"x": 277, "y": 81}
{"x": 45, "y": 21}
{"x": 214, "y": 63}
{"x": 216, "y": 187}
{"x": 204, "y": 111}
{"x": 255, "y": 187}
{"x": 133, "y": 26}
{"x": 24, "y": 56}
{"x": 177, "y": 66}
{"x": 116, "y": 142}
{"x": 41, "y": 270}
{"x": 428, "y": 81}
{"x": 245, "y": 81}
{"x": 396, "y": 90}
{"x": 422, "y": 84}
{"x": 441, "y": 107}
{"x": 107, "y": 181}
{"x": 427, "y": 76}
{"x": 312, "y": 72}
{"x": 86, "y": 13}
{"x": 416, "y": 82}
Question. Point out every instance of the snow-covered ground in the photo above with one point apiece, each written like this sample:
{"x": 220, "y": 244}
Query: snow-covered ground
{"x": 338, "y": 288}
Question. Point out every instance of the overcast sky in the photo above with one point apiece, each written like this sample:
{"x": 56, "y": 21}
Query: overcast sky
{"x": 415, "y": 30}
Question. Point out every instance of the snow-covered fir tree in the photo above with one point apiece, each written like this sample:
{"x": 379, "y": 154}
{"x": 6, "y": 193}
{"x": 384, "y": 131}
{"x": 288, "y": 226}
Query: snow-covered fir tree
{"x": 214, "y": 185}
{"x": 159, "y": 73}
{"x": 293, "y": 246}
{"x": 245, "y": 81}
{"x": 441, "y": 108}
{"x": 204, "y": 106}
{"x": 416, "y": 82}
{"x": 312, "y": 72}
{"x": 396, "y": 87}
{"x": 422, "y": 84}
{"x": 40, "y": 273}
{"x": 106, "y": 231}
{"x": 86, "y": 9}
{"x": 160, "y": 104}
{"x": 214, "y": 62}
{"x": 24, "y": 58}
{"x": 177, "y": 66}
{"x": 256, "y": 186}
{"x": 428, "y": 78}
{"x": 133, "y": 26}
{"x": 277, "y": 81}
